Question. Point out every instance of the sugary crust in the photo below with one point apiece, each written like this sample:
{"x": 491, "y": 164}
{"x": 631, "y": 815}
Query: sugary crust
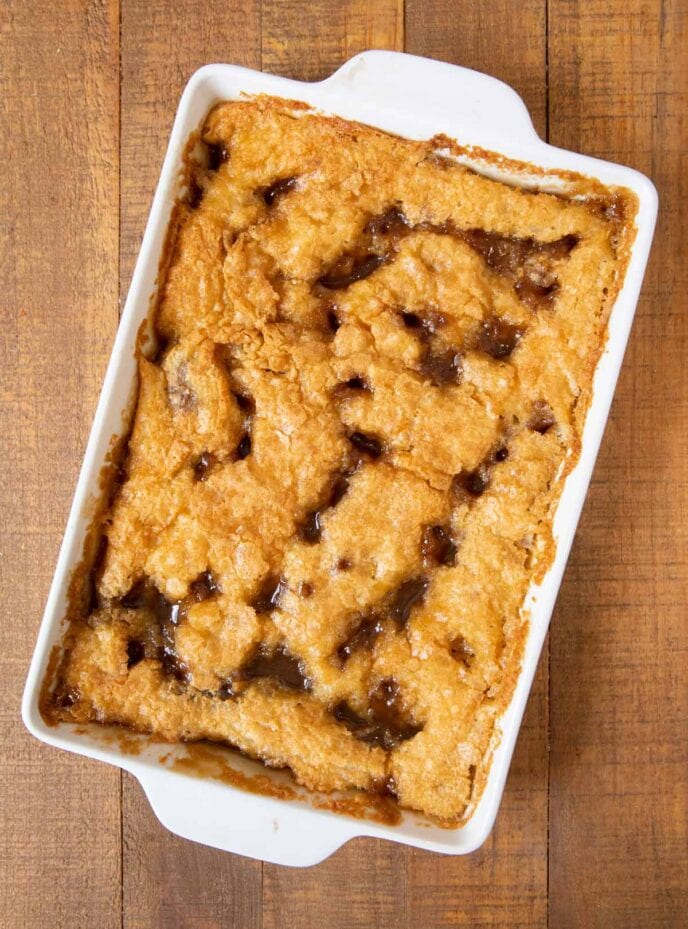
{"x": 466, "y": 361}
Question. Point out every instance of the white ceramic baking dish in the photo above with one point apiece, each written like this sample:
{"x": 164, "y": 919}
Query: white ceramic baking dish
{"x": 416, "y": 98}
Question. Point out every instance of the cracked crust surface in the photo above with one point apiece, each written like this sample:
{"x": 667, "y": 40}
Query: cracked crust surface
{"x": 346, "y": 456}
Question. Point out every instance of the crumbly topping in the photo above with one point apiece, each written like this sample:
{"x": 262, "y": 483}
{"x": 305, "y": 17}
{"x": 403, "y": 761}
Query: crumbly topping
{"x": 371, "y": 378}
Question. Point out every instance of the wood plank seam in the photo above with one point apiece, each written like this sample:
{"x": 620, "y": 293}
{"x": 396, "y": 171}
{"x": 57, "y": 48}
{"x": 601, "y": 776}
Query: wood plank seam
{"x": 548, "y": 655}
{"x": 546, "y": 648}
{"x": 120, "y": 307}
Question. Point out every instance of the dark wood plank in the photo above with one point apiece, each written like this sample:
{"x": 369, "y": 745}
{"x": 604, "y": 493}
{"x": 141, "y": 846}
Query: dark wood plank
{"x": 310, "y": 44}
{"x": 169, "y": 882}
{"x": 59, "y": 814}
{"x": 505, "y": 883}
{"x": 162, "y": 46}
{"x": 493, "y": 36}
{"x": 619, "y": 711}
{"x": 363, "y": 885}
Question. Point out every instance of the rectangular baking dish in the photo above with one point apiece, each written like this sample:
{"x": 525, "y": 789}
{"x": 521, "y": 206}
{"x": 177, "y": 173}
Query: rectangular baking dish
{"x": 417, "y": 98}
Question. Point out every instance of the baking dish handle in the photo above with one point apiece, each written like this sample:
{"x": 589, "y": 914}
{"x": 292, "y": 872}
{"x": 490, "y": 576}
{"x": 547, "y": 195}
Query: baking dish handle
{"x": 274, "y": 830}
{"x": 481, "y": 104}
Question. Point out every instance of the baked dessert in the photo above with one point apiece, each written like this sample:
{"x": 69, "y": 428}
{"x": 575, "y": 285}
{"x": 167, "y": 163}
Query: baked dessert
{"x": 371, "y": 372}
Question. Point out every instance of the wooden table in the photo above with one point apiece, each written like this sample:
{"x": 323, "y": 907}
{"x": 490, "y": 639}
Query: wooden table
{"x": 592, "y": 831}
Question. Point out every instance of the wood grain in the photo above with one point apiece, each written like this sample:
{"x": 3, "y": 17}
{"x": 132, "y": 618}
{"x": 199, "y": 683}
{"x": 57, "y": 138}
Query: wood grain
{"x": 505, "y": 883}
{"x": 310, "y": 44}
{"x": 168, "y": 882}
{"x": 171, "y": 882}
{"x": 369, "y": 875}
{"x": 59, "y": 89}
{"x": 592, "y": 830}
{"x": 504, "y": 39}
{"x": 162, "y": 46}
{"x": 619, "y": 708}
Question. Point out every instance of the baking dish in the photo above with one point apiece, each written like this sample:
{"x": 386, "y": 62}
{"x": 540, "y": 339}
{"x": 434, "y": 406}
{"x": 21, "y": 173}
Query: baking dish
{"x": 411, "y": 97}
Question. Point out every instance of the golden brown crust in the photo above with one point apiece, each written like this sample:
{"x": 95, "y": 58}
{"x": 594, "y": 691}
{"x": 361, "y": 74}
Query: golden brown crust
{"x": 372, "y": 378}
